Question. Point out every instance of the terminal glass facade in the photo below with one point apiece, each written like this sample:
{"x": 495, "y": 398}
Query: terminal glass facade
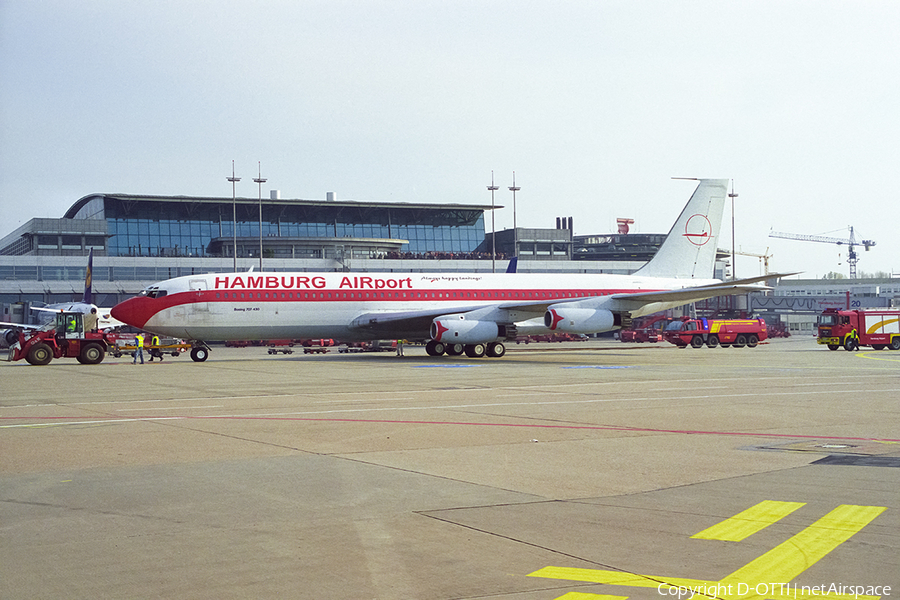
{"x": 186, "y": 227}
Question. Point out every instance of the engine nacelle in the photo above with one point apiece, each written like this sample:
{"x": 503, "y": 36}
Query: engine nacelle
{"x": 570, "y": 319}
{"x": 457, "y": 329}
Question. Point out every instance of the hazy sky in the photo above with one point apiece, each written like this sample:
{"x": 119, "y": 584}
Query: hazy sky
{"x": 595, "y": 105}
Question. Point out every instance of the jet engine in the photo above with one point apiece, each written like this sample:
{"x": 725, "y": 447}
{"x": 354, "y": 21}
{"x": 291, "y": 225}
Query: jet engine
{"x": 570, "y": 319}
{"x": 9, "y": 336}
{"x": 457, "y": 329}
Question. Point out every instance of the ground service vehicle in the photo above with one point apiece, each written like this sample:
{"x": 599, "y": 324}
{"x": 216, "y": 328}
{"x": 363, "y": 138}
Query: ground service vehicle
{"x": 716, "y": 332}
{"x": 66, "y": 339}
{"x": 851, "y": 329}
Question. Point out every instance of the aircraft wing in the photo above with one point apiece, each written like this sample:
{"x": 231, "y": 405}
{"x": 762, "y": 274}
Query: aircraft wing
{"x": 645, "y": 303}
{"x": 19, "y": 325}
{"x": 417, "y": 323}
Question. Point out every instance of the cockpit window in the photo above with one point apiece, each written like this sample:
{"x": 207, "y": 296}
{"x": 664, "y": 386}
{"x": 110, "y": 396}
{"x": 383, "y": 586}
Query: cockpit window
{"x": 153, "y": 292}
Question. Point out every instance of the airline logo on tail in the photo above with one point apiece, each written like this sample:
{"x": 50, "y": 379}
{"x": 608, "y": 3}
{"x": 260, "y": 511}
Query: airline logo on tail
{"x": 698, "y": 230}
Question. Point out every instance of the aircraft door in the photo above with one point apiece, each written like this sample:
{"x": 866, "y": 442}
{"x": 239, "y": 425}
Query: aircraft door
{"x": 200, "y": 308}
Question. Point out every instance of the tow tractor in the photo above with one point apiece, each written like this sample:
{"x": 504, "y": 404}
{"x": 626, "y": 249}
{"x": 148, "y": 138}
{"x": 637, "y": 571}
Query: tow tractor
{"x": 63, "y": 338}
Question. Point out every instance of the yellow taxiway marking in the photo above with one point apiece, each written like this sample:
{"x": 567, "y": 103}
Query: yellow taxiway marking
{"x": 787, "y": 560}
{"x": 746, "y": 523}
{"x": 583, "y": 596}
{"x": 766, "y": 577}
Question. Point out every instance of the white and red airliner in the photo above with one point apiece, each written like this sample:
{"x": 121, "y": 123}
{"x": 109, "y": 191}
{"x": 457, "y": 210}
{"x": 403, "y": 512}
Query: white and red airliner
{"x": 459, "y": 313}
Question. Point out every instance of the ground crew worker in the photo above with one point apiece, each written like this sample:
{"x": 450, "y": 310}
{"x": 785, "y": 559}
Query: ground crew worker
{"x": 91, "y": 320}
{"x": 139, "y": 342}
{"x": 400, "y": 347}
{"x": 155, "y": 351}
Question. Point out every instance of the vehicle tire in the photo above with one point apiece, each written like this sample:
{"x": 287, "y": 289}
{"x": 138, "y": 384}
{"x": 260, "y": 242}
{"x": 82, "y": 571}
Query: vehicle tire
{"x": 697, "y": 341}
{"x": 435, "y": 348}
{"x": 40, "y": 354}
{"x": 740, "y": 341}
{"x": 475, "y": 350}
{"x": 496, "y": 349}
{"x": 895, "y": 343}
{"x": 455, "y": 349}
{"x": 850, "y": 344}
{"x": 712, "y": 341}
{"x": 833, "y": 346}
{"x": 752, "y": 340}
{"x": 91, "y": 354}
{"x": 199, "y": 354}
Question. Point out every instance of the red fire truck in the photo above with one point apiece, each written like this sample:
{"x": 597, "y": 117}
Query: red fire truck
{"x": 851, "y": 329}
{"x": 716, "y": 332}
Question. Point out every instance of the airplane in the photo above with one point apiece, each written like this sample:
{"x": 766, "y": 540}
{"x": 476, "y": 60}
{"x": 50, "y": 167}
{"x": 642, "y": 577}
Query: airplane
{"x": 86, "y": 306}
{"x": 471, "y": 313}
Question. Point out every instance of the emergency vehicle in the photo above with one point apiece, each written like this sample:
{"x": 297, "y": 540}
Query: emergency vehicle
{"x": 716, "y": 332}
{"x": 851, "y": 329}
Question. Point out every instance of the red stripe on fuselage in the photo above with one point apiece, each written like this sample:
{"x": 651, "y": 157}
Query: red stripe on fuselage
{"x": 138, "y": 310}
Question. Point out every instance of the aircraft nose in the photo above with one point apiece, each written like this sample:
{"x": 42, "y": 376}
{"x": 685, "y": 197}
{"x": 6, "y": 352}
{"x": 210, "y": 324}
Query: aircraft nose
{"x": 134, "y": 311}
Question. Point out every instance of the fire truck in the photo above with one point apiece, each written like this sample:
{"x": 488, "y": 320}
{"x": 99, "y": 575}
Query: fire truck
{"x": 65, "y": 337}
{"x": 851, "y": 329}
{"x": 739, "y": 333}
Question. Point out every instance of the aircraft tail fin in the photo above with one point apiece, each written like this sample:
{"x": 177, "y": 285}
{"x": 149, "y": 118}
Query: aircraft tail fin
{"x": 513, "y": 264}
{"x": 689, "y": 251}
{"x": 88, "y": 294}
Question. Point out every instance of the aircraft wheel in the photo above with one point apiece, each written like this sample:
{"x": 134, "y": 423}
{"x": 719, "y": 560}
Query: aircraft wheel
{"x": 475, "y": 350}
{"x": 712, "y": 341}
{"x": 740, "y": 341}
{"x": 91, "y": 354}
{"x": 435, "y": 348}
{"x": 496, "y": 349}
{"x": 697, "y": 341}
{"x": 199, "y": 354}
{"x": 455, "y": 349}
{"x": 40, "y": 354}
{"x": 752, "y": 340}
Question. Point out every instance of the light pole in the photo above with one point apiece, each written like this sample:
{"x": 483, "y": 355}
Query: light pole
{"x": 493, "y": 188}
{"x": 233, "y": 181}
{"x": 732, "y": 195}
{"x": 260, "y": 181}
{"x": 515, "y": 189}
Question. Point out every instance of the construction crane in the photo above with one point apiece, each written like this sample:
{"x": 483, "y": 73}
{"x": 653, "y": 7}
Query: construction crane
{"x": 851, "y": 243}
{"x": 763, "y": 258}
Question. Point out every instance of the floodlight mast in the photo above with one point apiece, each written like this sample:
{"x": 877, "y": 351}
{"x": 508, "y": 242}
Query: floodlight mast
{"x": 259, "y": 180}
{"x": 493, "y": 188}
{"x": 233, "y": 181}
{"x": 515, "y": 189}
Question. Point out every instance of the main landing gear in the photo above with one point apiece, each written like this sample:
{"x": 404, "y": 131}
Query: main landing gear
{"x": 492, "y": 349}
{"x": 200, "y": 352}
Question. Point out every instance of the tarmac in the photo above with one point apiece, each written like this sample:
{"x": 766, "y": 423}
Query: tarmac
{"x": 576, "y": 471}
